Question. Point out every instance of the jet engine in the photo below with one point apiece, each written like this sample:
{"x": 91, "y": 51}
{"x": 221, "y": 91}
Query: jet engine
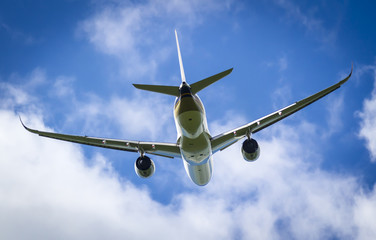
{"x": 144, "y": 167}
{"x": 250, "y": 150}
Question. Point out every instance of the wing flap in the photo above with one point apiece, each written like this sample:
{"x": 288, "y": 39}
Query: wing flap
{"x": 224, "y": 140}
{"x": 169, "y": 150}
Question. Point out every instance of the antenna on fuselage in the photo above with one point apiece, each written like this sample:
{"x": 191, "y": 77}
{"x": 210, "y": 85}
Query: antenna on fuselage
{"x": 180, "y": 61}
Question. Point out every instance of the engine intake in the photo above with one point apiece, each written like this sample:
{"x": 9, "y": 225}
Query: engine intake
{"x": 144, "y": 167}
{"x": 250, "y": 150}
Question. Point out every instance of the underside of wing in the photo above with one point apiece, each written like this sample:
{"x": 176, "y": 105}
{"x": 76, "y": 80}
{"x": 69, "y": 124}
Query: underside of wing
{"x": 224, "y": 140}
{"x": 169, "y": 150}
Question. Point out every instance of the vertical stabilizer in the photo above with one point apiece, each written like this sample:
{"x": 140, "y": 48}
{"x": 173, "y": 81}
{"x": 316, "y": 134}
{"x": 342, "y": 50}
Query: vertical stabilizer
{"x": 180, "y": 61}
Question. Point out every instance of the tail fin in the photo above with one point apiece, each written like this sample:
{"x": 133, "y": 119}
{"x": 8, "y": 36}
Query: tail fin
{"x": 180, "y": 61}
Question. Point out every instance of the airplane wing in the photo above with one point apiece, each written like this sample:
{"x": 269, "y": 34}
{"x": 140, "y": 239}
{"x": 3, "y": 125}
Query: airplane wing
{"x": 226, "y": 139}
{"x": 169, "y": 150}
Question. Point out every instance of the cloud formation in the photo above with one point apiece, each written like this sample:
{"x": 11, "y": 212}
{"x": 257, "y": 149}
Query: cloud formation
{"x": 129, "y": 30}
{"x": 48, "y": 190}
{"x": 314, "y": 25}
{"x": 368, "y": 116}
{"x": 52, "y": 190}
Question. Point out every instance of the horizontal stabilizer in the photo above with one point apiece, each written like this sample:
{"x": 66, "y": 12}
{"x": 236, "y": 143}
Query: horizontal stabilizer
{"x": 169, "y": 90}
{"x": 198, "y": 86}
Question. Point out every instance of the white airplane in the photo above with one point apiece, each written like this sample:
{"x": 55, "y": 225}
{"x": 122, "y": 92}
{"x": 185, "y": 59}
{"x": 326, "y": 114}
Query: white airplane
{"x": 194, "y": 143}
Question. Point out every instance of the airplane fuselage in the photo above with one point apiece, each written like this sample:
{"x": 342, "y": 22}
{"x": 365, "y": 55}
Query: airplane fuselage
{"x": 193, "y": 136}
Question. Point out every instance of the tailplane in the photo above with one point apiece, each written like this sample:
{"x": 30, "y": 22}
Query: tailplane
{"x": 198, "y": 86}
{"x": 174, "y": 90}
{"x": 195, "y": 87}
{"x": 169, "y": 90}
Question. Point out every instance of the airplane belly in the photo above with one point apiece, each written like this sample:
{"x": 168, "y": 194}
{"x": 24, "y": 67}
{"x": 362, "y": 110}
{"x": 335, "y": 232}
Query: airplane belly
{"x": 189, "y": 115}
{"x": 196, "y": 150}
{"x": 199, "y": 174}
{"x": 191, "y": 123}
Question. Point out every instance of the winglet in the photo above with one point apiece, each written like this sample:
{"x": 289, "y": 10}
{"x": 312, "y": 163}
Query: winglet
{"x": 347, "y": 78}
{"x": 19, "y": 116}
{"x": 28, "y": 129}
{"x": 180, "y": 60}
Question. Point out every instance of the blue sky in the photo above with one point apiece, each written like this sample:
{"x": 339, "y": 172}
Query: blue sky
{"x": 67, "y": 66}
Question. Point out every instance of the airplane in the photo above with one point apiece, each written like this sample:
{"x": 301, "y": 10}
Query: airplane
{"x": 194, "y": 145}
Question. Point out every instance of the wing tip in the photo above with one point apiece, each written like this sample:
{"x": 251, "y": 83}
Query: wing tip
{"x": 352, "y": 67}
{"x": 28, "y": 129}
{"x": 348, "y": 77}
{"x": 19, "y": 116}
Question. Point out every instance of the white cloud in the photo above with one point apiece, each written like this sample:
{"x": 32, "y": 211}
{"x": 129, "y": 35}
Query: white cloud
{"x": 295, "y": 11}
{"x": 285, "y": 194}
{"x": 364, "y": 214}
{"x": 63, "y": 87}
{"x": 282, "y": 62}
{"x": 36, "y": 78}
{"x": 335, "y": 107}
{"x": 17, "y": 35}
{"x": 282, "y": 97}
{"x": 148, "y": 116}
{"x": 230, "y": 120}
{"x": 12, "y": 95}
{"x": 48, "y": 190}
{"x": 140, "y": 34}
{"x": 368, "y": 117}
{"x": 139, "y": 115}
{"x": 15, "y": 93}
{"x": 314, "y": 26}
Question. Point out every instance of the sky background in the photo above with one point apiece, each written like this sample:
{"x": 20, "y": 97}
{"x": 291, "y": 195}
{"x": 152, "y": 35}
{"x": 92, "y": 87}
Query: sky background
{"x": 67, "y": 66}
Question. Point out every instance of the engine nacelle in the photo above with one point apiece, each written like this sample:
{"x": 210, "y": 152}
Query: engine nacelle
{"x": 144, "y": 167}
{"x": 250, "y": 150}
